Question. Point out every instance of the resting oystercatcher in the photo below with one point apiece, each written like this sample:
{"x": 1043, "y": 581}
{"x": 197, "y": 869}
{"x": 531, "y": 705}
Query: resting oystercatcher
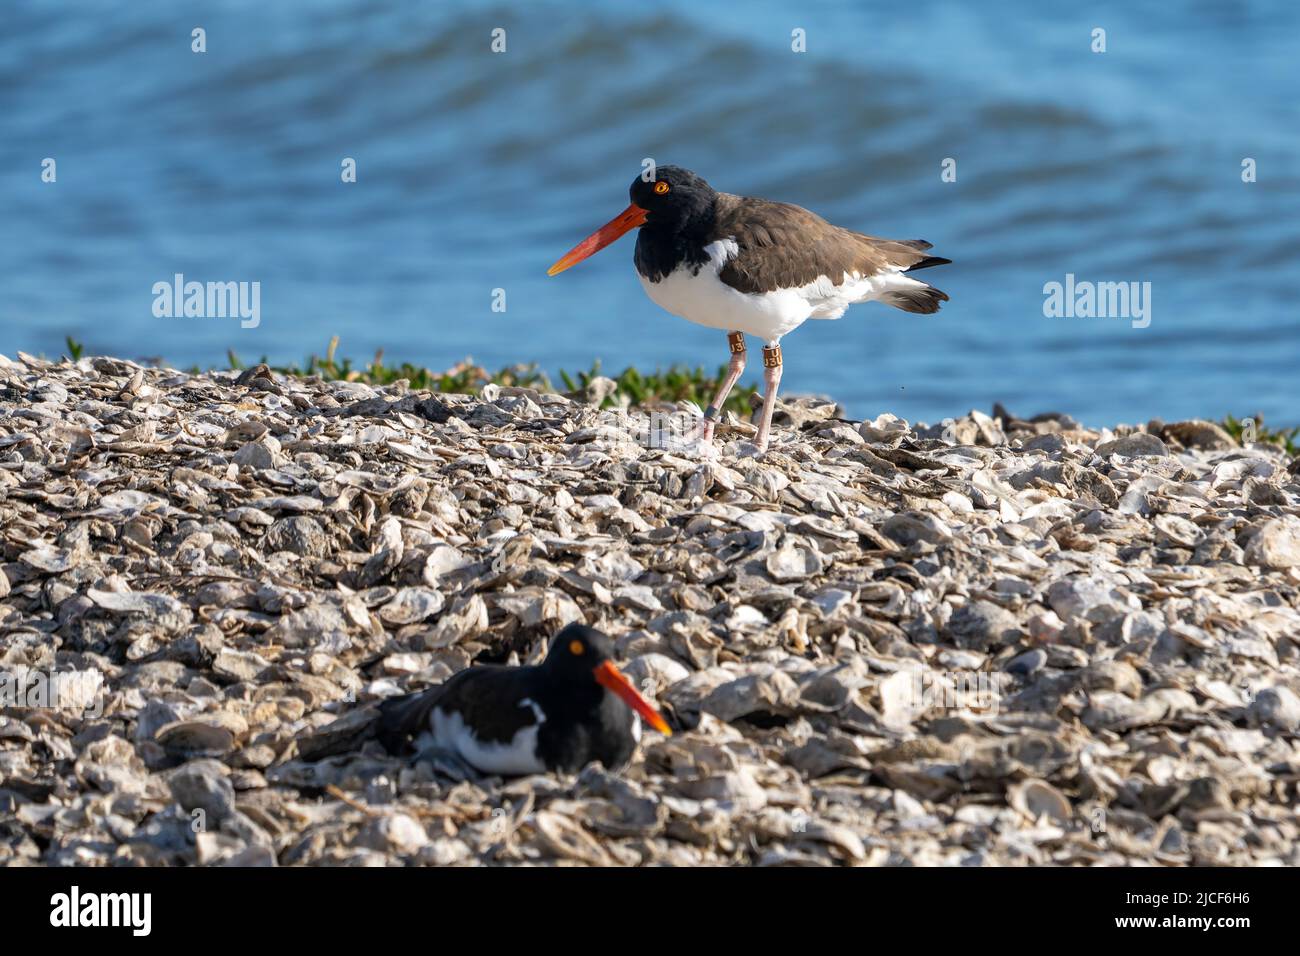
{"x": 573, "y": 708}
{"x": 757, "y": 267}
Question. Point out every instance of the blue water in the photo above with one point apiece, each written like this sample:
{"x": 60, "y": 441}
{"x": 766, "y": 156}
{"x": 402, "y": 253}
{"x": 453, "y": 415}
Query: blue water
{"x": 477, "y": 170}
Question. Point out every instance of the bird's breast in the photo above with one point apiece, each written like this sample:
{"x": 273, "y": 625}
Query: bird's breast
{"x": 697, "y": 293}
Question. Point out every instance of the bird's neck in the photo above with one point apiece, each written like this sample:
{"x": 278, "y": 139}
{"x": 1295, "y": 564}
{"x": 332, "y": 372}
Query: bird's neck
{"x": 572, "y": 696}
{"x": 662, "y": 247}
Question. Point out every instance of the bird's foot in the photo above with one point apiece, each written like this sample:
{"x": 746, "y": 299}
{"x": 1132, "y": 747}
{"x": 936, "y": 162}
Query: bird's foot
{"x": 694, "y": 440}
{"x": 702, "y": 438}
{"x": 701, "y": 447}
{"x": 691, "y": 441}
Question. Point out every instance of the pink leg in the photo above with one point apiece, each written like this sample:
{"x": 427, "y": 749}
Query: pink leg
{"x": 771, "y": 380}
{"x": 736, "y": 342}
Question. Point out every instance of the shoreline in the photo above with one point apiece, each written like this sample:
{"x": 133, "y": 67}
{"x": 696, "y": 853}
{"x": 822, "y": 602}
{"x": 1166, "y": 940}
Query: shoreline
{"x": 991, "y": 642}
{"x": 632, "y": 386}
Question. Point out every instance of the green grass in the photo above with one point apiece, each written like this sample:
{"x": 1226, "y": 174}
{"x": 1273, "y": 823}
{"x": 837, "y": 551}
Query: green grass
{"x": 678, "y": 383}
{"x": 463, "y": 377}
{"x": 1282, "y": 437}
{"x": 635, "y": 387}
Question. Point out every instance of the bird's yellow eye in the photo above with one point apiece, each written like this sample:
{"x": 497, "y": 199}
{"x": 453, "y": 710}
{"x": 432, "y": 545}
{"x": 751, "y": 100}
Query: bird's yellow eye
{"x": 661, "y": 188}
{"x": 576, "y": 648}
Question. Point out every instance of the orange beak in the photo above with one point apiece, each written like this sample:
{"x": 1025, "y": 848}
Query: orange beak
{"x": 627, "y": 220}
{"x": 607, "y": 675}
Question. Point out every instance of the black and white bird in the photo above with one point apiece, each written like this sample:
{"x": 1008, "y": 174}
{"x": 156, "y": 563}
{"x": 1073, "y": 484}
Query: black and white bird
{"x": 574, "y": 708}
{"x": 755, "y": 267}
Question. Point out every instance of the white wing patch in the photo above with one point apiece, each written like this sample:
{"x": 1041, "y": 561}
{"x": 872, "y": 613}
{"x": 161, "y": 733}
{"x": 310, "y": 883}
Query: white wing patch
{"x": 537, "y": 711}
{"x": 722, "y": 251}
{"x": 829, "y": 301}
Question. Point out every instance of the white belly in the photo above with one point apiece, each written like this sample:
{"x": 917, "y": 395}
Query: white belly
{"x": 701, "y": 297}
{"x": 517, "y": 756}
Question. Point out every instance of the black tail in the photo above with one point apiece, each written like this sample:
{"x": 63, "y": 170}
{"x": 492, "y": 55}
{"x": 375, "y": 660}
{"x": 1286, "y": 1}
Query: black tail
{"x": 927, "y": 262}
{"x": 401, "y": 718}
{"x": 924, "y": 300}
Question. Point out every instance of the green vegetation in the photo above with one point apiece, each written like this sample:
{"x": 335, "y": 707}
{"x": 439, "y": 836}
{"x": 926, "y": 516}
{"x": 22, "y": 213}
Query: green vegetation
{"x": 1282, "y": 437}
{"x": 677, "y": 383}
{"x": 464, "y": 377}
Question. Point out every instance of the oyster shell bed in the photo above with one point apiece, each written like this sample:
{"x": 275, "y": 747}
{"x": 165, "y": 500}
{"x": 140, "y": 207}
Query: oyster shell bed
{"x": 993, "y": 641}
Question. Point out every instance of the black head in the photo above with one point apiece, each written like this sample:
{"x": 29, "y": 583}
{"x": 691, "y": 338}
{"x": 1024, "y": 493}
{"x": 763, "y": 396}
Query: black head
{"x": 675, "y": 202}
{"x": 577, "y": 651}
{"x": 585, "y": 657}
{"x": 673, "y": 197}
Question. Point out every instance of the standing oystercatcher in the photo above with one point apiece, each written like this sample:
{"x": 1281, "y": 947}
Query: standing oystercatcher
{"x": 755, "y": 266}
{"x": 573, "y": 708}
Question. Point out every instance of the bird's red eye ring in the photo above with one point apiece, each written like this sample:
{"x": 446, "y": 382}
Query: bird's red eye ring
{"x": 661, "y": 187}
{"x": 576, "y": 648}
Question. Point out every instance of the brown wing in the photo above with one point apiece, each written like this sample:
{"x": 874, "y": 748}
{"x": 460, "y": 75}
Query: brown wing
{"x": 782, "y": 246}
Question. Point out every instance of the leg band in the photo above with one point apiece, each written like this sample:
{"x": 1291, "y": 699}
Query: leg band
{"x": 711, "y": 413}
{"x": 771, "y": 356}
{"x": 737, "y": 342}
